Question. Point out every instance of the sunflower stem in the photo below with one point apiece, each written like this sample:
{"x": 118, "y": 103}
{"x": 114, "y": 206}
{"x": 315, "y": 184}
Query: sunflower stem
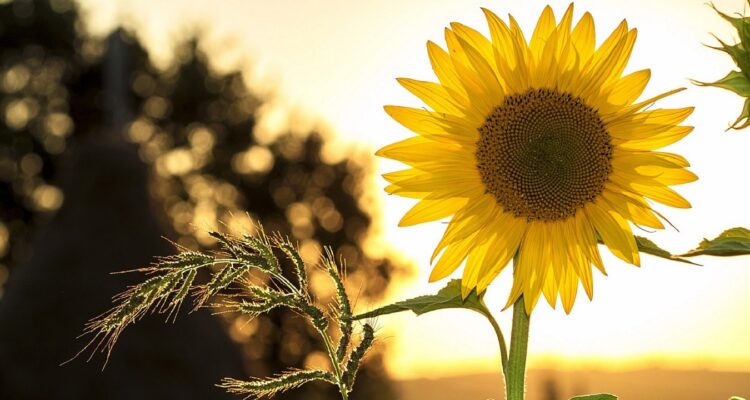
{"x": 515, "y": 374}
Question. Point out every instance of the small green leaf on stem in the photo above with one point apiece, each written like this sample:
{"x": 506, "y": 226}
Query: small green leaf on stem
{"x": 647, "y": 246}
{"x": 735, "y": 81}
{"x": 598, "y": 396}
{"x": 447, "y": 297}
{"x": 731, "y": 242}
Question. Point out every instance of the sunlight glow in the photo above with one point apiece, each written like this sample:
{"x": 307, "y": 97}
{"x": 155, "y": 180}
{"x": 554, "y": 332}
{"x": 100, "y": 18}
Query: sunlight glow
{"x": 338, "y": 59}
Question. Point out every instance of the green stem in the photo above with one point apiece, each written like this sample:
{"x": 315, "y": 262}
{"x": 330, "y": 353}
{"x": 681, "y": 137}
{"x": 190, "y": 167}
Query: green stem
{"x": 519, "y": 341}
{"x": 500, "y": 341}
{"x": 336, "y": 368}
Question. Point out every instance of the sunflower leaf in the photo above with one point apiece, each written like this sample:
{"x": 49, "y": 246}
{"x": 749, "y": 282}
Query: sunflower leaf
{"x": 598, "y": 396}
{"x": 447, "y": 297}
{"x": 647, "y": 246}
{"x": 738, "y": 53}
{"x": 731, "y": 242}
{"x": 740, "y": 23}
{"x": 735, "y": 81}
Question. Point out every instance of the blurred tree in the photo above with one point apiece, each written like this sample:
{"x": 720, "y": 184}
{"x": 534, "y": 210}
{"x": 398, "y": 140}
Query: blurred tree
{"x": 194, "y": 126}
{"x": 106, "y": 222}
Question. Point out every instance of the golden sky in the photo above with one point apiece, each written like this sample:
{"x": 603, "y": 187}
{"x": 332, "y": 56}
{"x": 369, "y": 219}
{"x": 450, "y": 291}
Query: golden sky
{"x": 332, "y": 63}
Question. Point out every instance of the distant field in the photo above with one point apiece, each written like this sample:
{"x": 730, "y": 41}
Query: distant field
{"x": 650, "y": 384}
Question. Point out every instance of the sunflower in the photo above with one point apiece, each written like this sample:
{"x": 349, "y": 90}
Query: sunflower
{"x": 536, "y": 150}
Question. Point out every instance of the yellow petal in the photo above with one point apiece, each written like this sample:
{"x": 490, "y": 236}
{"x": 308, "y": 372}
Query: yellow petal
{"x": 449, "y": 180}
{"x": 629, "y": 88}
{"x": 658, "y": 140}
{"x": 625, "y": 112}
{"x": 443, "y": 67}
{"x": 434, "y": 126}
{"x": 432, "y": 94}
{"x": 547, "y": 66}
{"x": 568, "y": 290}
{"x": 601, "y": 65}
{"x": 452, "y": 258}
{"x": 626, "y": 174}
{"x": 638, "y": 212}
{"x": 624, "y": 158}
{"x": 670, "y": 176}
{"x": 622, "y": 57}
{"x": 584, "y": 37}
{"x": 521, "y": 51}
{"x": 672, "y": 157}
{"x": 419, "y": 149}
{"x": 396, "y": 176}
{"x": 614, "y": 231}
{"x": 550, "y": 290}
{"x": 662, "y": 194}
{"x": 474, "y": 263}
{"x": 477, "y": 214}
{"x": 567, "y": 20}
{"x": 505, "y": 54}
{"x": 481, "y": 103}
{"x": 428, "y": 210}
{"x": 490, "y": 86}
{"x": 533, "y": 261}
{"x": 510, "y": 230}
{"x": 475, "y": 39}
{"x": 515, "y": 291}
{"x": 586, "y": 237}
{"x": 648, "y": 124}
{"x": 583, "y": 267}
{"x": 391, "y": 189}
{"x": 544, "y": 27}
{"x": 606, "y": 49}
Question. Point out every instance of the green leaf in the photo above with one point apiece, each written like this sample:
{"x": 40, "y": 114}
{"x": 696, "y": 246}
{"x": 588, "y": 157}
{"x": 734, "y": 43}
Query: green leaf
{"x": 735, "y": 81}
{"x": 447, "y": 297}
{"x": 598, "y": 396}
{"x": 647, "y": 246}
{"x": 740, "y": 23}
{"x": 739, "y": 55}
{"x": 732, "y": 242}
{"x": 743, "y": 121}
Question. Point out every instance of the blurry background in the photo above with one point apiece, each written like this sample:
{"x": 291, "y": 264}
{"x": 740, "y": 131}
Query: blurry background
{"x": 103, "y": 154}
{"x": 126, "y": 121}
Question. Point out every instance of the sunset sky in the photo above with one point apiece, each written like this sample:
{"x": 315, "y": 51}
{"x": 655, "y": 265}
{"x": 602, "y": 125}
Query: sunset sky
{"x": 332, "y": 64}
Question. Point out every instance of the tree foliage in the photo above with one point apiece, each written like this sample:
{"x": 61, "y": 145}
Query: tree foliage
{"x": 194, "y": 126}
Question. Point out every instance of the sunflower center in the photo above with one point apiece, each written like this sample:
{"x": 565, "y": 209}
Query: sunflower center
{"x": 544, "y": 154}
